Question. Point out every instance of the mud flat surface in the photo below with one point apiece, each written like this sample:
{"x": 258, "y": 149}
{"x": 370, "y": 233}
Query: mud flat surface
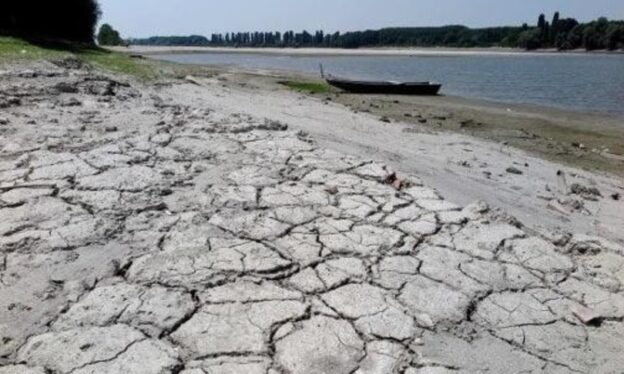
{"x": 156, "y": 229}
{"x": 591, "y": 141}
{"x": 522, "y": 161}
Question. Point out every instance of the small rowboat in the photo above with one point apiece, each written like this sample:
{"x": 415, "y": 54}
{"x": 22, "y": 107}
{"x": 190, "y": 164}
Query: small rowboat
{"x": 383, "y": 87}
{"x": 386, "y": 87}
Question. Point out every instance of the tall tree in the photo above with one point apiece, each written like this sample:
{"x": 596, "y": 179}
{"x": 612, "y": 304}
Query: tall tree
{"x": 278, "y": 38}
{"x": 541, "y": 22}
{"x": 554, "y": 29}
{"x": 541, "y": 25}
{"x": 72, "y": 20}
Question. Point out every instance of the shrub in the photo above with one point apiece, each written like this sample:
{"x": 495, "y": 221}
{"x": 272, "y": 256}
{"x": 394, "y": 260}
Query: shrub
{"x": 109, "y": 36}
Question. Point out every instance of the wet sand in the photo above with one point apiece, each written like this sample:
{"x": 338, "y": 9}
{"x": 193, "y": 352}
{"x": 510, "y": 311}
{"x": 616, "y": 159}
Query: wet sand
{"x": 591, "y": 141}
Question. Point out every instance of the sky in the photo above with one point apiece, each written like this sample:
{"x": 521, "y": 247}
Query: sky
{"x": 142, "y": 18}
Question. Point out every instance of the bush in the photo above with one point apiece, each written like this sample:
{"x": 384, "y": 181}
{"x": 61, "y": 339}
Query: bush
{"x": 71, "y": 20}
{"x": 530, "y": 39}
{"x": 615, "y": 36}
{"x": 109, "y": 36}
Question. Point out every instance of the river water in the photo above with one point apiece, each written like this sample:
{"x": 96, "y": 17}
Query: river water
{"x": 587, "y": 82}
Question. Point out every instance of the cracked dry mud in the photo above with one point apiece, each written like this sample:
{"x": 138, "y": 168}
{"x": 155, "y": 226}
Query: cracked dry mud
{"x": 141, "y": 235}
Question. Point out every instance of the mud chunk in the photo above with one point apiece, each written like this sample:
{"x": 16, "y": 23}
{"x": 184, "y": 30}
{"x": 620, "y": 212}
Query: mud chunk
{"x": 321, "y": 345}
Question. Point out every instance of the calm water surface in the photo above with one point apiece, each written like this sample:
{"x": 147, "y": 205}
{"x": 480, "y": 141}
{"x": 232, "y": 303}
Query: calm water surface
{"x": 582, "y": 82}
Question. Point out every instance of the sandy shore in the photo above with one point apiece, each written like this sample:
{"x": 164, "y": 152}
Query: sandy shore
{"x": 151, "y": 50}
{"x": 464, "y": 162}
{"x": 223, "y": 223}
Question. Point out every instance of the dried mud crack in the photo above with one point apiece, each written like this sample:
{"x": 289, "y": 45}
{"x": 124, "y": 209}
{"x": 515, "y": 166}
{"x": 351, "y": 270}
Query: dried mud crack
{"x": 142, "y": 234}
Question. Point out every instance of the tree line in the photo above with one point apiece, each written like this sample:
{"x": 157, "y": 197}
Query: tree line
{"x": 75, "y": 20}
{"x": 568, "y": 33}
{"x": 559, "y": 33}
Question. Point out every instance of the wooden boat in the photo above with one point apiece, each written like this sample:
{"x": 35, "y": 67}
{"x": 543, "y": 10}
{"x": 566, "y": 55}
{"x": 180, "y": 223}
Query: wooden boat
{"x": 385, "y": 87}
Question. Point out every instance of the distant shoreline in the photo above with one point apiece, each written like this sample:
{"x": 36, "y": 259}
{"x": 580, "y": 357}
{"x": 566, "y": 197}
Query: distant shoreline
{"x": 390, "y": 51}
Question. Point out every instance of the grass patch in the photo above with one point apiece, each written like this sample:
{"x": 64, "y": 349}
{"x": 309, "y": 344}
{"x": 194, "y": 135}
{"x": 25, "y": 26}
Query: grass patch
{"x": 14, "y": 50}
{"x": 310, "y": 87}
{"x": 121, "y": 63}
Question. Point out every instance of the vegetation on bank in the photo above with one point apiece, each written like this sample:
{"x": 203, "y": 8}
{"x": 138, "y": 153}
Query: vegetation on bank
{"x": 54, "y": 30}
{"x": 568, "y": 33}
{"x": 191, "y": 40}
{"x": 308, "y": 87}
{"x": 560, "y": 33}
{"x": 14, "y": 50}
{"x": 121, "y": 63}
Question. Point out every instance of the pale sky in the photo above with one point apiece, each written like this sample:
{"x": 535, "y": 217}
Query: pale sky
{"x": 141, "y": 18}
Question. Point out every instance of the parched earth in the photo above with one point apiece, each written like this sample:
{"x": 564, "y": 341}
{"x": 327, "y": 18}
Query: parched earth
{"x": 141, "y": 235}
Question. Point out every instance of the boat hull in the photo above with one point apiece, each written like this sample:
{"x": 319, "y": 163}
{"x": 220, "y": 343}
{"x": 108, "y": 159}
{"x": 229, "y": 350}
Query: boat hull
{"x": 392, "y": 88}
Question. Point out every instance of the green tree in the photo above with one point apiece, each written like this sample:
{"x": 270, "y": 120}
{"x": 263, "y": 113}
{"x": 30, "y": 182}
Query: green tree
{"x": 594, "y": 34}
{"x": 575, "y": 37}
{"x": 108, "y": 36}
{"x": 530, "y": 39}
{"x": 615, "y": 36}
{"x": 541, "y": 25}
{"x": 569, "y": 34}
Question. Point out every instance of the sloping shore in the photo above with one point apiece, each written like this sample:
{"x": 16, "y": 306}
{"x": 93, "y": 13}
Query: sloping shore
{"x": 462, "y": 167}
{"x": 221, "y": 223}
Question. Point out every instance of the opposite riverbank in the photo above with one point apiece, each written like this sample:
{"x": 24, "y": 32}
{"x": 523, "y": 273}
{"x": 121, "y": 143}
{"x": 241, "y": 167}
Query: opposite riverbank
{"x": 389, "y": 51}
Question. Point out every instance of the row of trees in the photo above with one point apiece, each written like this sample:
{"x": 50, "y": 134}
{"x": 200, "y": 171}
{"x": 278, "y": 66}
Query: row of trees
{"x": 563, "y": 34}
{"x": 71, "y": 20}
{"x": 75, "y": 20}
{"x": 192, "y": 40}
{"x": 568, "y": 33}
